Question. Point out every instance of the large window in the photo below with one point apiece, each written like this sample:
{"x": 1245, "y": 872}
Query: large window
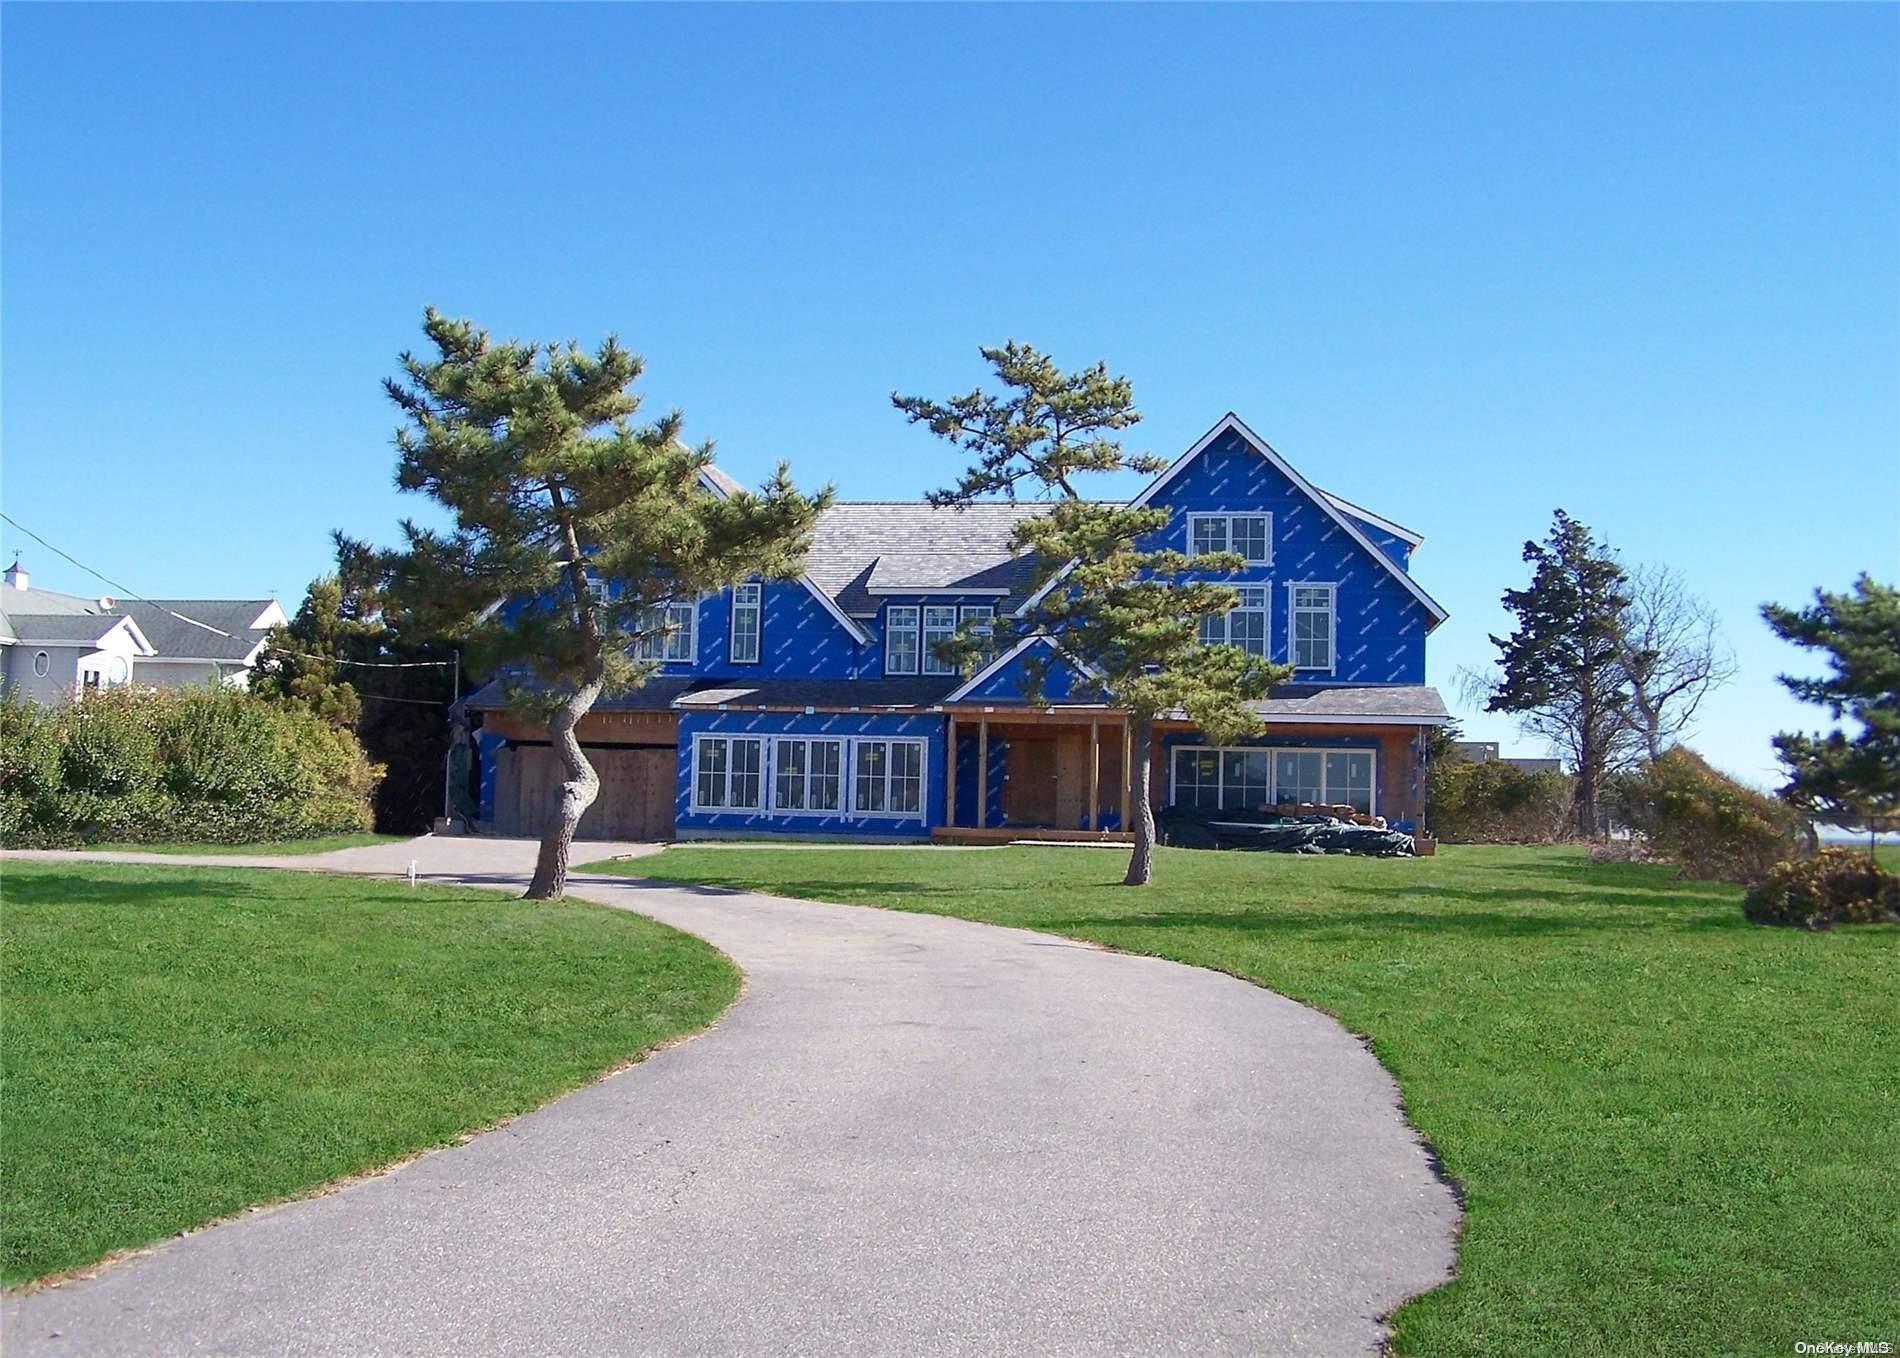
{"x": 887, "y": 777}
{"x": 727, "y": 773}
{"x": 1244, "y": 625}
{"x": 1246, "y": 778}
{"x": 1313, "y": 626}
{"x": 900, "y": 639}
{"x": 797, "y": 775}
{"x": 940, "y": 625}
{"x": 807, "y": 775}
{"x": 667, "y": 633}
{"x": 1249, "y": 536}
{"x": 746, "y": 624}
{"x": 980, "y": 619}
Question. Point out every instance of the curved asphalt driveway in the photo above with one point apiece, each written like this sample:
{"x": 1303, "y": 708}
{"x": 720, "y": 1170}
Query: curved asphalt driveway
{"x": 911, "y": 1135}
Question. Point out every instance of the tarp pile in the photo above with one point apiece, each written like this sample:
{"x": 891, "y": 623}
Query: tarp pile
{"x": 1187, "y": 827}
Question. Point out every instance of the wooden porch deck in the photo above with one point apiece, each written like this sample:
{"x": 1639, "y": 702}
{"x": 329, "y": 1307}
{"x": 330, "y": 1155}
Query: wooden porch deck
{"x": 1015, "y": 834}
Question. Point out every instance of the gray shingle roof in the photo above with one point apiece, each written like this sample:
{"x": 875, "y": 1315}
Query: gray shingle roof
{"x": 907, "y": 571}
{"x": 61, "y": 628}
{"x": 1307, "y": 702}
{"x": 172, "y": 636}
{"x": 852, "y": 536}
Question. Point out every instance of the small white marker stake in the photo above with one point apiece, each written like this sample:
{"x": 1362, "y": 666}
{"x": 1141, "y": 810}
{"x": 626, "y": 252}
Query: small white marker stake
{"x": 412, "y": 873}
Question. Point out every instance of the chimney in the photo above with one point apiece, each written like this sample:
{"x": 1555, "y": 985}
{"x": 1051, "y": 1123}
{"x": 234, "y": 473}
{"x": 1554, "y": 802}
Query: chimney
{"x": 16, "y": 577}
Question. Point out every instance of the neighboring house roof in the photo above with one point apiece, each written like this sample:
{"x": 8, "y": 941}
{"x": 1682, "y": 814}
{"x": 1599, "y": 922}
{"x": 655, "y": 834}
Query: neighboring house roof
{"x": 232, "y": 629}
{"x": 75, "y": 629}
{"x": 229, "y": 630}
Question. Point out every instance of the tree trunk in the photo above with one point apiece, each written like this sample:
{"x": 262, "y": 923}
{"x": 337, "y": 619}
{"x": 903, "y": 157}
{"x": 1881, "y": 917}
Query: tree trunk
{"x": 1141, "y": 863}
{"x": 576, "y": 795}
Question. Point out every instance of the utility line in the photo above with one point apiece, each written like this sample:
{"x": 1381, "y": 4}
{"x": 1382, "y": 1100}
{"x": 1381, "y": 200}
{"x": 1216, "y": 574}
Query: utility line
{"x": 131, "y": 593}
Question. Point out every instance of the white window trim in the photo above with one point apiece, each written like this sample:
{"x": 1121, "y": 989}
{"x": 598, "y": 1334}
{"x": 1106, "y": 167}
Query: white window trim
{"x": 765, "y": 786}
{"x": 664, "y": 638}
{"x": 891, "y": 629}
{"x": 847, "y": 777}
{"x": 844, "y": 775}
{"x": 922, "y": 812}
{"x": 1292, "y": 622}
{"x": 1228, "y": 517}
{"x": 42, "y": 664}
{"x": 1272, "y": 752}
{"x": 757, "y": 607}
{"x": 1266, "y": 619}
{"x": 924, "y": 658}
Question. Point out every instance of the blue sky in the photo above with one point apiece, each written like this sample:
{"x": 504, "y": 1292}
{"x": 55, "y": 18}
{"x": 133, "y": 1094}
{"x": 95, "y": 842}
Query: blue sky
{"x": 1462, "y": 265}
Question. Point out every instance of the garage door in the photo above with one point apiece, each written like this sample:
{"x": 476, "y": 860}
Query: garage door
{"x": 636, "y": 791}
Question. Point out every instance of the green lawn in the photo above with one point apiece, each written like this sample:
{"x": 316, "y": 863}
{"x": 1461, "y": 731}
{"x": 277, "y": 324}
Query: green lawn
{"x": 1676, "y": 1132}
{"x": 322, "y": 844}
{"x": 179, "y": 1043}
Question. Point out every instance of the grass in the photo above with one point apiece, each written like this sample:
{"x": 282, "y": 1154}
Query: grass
{"x": 1675, "y": 1131}
{"x": 180, "y": 1043}
{"x": 275, "y": 847}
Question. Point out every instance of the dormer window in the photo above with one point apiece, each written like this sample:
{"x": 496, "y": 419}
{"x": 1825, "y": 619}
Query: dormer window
{"x": 901, "y": 644}
{"x": 1248, "y": 536}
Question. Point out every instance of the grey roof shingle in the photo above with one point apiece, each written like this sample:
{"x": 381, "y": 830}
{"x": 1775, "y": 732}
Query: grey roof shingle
{"x": 852, "y": 537}
{"x": 61, "y": 628}
{"x": 1398, "y": 702}
{"x": 172, "y": 636}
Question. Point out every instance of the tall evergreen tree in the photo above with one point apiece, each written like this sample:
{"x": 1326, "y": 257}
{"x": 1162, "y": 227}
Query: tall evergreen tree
{"x": 1565, "y": 670}
{"x": 350, "y": 657}
{"x": 585, "y": 523}
{"x": 1130, "y": 613}
{"x": 1842, "y": 780}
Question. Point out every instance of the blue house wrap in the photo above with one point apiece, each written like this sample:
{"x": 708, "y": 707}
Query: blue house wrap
{"x": 817, "y": 707}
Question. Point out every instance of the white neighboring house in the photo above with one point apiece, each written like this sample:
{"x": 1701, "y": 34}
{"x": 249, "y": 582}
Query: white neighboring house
{"x": 54, "y": 645}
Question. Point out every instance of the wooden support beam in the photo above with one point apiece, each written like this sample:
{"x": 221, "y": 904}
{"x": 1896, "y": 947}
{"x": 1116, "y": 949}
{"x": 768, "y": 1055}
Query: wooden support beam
{"x": 1128, "y": 762}
{"x": 950, "y": 775}
{"x": 983, "y": 773}
{"x": 1095, "y": 775}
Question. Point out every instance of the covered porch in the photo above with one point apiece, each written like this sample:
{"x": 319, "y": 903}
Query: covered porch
{"x": 1057, "y": 773}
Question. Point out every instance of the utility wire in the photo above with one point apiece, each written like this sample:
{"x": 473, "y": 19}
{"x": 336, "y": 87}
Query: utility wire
{"x": 131, "y": 593}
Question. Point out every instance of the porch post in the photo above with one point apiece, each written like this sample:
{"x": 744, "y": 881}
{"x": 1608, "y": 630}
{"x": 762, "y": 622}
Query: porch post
{"x": 950, "y": 775}
{"x": 1095, "y": 772}
{"x": 1128, "y": 757}
{"x": 982, "y": 772}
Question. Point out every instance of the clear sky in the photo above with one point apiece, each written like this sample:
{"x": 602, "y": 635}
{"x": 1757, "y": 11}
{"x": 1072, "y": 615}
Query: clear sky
{"x": 1461, "y": 265}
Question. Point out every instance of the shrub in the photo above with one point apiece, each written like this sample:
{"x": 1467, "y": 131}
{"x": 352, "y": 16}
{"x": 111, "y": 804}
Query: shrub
{"x": 1709, "y": 825}
{"x": 1497, "y": 803}
{"x": 1833, "y": 887}
{"x": 210, "y": 764}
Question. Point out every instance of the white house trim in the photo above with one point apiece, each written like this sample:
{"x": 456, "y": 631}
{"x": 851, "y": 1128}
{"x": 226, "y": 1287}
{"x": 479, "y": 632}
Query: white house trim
{"x": 1231, "y": 422}
{"x": 996, "y": 666}
{"x": 1403, "y": 534}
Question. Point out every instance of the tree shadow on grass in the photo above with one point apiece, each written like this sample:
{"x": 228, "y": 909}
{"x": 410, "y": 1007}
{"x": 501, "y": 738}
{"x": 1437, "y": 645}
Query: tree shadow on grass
{"x": 73, "y": 889}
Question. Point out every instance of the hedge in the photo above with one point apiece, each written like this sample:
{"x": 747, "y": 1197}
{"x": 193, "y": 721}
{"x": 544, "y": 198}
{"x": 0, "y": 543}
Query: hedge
{"x": 1708, "y": 824}
{"x": 211, "y": 764}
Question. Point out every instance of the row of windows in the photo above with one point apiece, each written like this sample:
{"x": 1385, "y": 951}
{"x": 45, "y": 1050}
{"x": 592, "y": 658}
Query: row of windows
{"x": 1314, "y": 609}
{"x": 809, "y": 775}
{"x": 1247, "y": 777}
{"x": 912, "y": 633}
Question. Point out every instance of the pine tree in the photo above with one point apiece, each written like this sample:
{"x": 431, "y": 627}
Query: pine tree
{"x": 1566, "y": 668}
{"x": 1128, "y": 612}
{"x": 586, "y": 524}
{"x": 1842, "y": 780}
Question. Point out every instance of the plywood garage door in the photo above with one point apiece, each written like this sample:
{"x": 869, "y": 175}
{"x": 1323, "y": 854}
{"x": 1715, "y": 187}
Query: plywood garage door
{"x": 636, "y": 791}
